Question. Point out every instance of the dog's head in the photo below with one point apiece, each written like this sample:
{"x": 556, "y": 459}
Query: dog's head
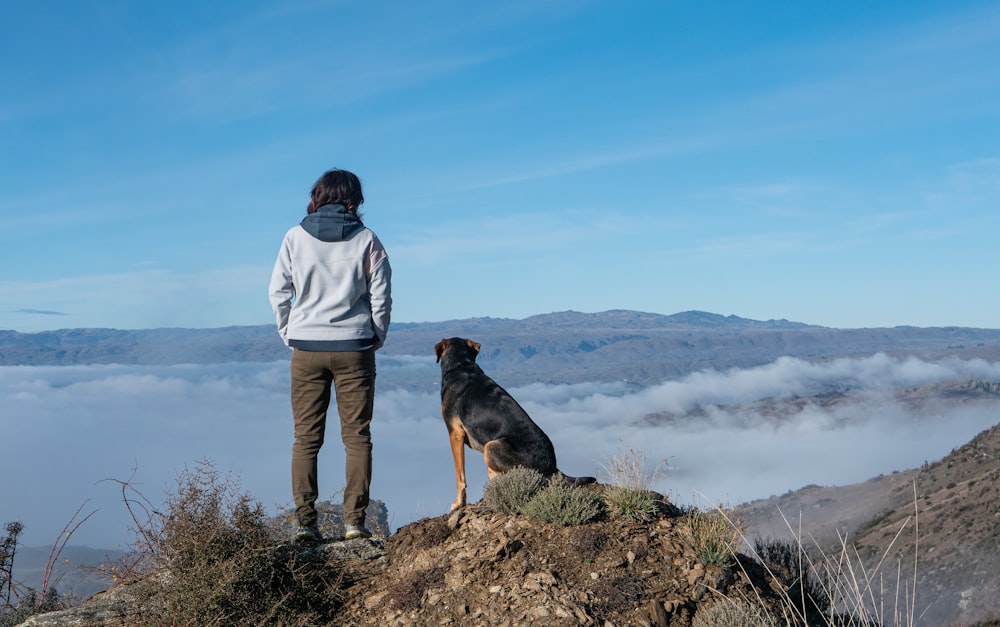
{"x": 457, "y": 348}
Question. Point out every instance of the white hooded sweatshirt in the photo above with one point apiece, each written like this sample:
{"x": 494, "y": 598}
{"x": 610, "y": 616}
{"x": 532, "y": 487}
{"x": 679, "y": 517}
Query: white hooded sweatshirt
{"x": 331, "y": 284}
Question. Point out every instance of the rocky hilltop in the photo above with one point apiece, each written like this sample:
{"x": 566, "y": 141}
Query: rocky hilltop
{"x": 478, "y": 567}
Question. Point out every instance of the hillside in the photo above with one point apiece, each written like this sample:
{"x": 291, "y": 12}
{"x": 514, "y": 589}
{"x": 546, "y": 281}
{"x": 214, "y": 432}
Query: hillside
{"x": 951, "y": 512}
{"x": 565, "y": 347}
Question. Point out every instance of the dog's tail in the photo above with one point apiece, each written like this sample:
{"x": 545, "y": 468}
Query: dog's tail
{"x": 572, "y": 481}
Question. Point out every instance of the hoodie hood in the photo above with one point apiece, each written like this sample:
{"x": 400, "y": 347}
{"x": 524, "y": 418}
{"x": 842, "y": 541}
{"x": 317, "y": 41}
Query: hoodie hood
{"x": 332, "y": 223}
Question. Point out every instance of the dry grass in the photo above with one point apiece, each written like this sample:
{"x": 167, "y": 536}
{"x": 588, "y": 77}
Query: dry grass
{"x": 407, "y": 593}
{"x": 218, "y": 549}
{"x": 715, "y": 534}
{"x": 837, "y": 589}
{"x": 629, "y": 480}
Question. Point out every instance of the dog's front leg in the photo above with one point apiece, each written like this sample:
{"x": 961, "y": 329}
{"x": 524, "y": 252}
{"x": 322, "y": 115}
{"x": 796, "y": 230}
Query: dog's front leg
{"x": 457, "y": 435}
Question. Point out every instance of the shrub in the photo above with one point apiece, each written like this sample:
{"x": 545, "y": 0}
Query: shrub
{"x": 631, "y": 504}
{"x": 788, "y": 565}
{"x": 734, "y": 612}
{"x": 617, "y": 594}
{"x": 629, "y": 493}
{"x": 714, "y": 535}
{"x": 588, "y": 542}
{"x": 217, "y": 547}
{"x": 560, "y": 504}
{"x": 509, "y": 492}
{"x": 407, "y": 592}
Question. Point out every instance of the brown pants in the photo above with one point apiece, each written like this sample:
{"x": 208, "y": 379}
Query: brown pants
{"x": 352, "y": 375}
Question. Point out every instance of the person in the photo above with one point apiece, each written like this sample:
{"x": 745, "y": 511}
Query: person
{"x": 331, "y": 296}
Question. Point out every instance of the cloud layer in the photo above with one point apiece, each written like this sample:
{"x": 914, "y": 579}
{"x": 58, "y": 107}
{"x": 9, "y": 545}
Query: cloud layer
{"x": 68, "y": 428}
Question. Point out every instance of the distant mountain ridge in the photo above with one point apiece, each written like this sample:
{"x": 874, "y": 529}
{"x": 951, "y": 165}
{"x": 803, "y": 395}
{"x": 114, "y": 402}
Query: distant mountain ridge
{"x": 560, "y": 347}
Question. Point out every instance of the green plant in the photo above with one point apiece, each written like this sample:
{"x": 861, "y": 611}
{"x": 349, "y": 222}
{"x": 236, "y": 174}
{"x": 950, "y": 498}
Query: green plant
{"x": 565, "y": 505}
{"x": 627, "y": 503}
{"x": 508, "y": 493}
{"x": 629, "y": 492}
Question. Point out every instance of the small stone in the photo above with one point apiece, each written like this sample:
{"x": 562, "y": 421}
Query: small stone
{"x": 374, "y": 601}
{"x": 540, "y": 612}
{"x": 595, "y": 576}
{"x": 496, "y": 589}
{"x": 536, "y": 580}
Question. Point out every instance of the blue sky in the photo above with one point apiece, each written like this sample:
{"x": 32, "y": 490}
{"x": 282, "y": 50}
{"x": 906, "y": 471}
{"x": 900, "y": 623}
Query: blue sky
{"x": 834, "y": 163}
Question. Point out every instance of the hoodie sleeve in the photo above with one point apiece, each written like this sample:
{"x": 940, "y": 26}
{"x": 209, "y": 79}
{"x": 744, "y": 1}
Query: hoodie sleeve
{"x": 282, "y": 290}
{"x": 379, "y": 289}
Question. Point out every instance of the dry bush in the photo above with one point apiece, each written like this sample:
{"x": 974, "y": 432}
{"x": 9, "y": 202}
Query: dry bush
{"x": 510, "y": 492}
{"x": 19, "y": 602}
{"x": 853, "y": 590}
{"x": 588, "y": 541}
{"x": 217, "y": 547}
{"x": 714, "y": 535}
{"x": 628, "y": 469}
{"x": 617, "y": 594}
{"x": 565, "y": 505}
{"x": 787, "y": 565}
{"x": 726, "y": 612}
{"x": 407, "y": 593}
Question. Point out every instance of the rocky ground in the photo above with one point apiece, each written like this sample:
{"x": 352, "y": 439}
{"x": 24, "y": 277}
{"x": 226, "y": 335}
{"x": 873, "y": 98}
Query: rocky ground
{"x": 478, "y": 567}
{"x": 483, "y": 568}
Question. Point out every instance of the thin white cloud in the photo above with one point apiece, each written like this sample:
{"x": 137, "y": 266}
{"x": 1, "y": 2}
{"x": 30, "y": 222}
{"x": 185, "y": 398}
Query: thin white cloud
{"x": 145, "y": 298}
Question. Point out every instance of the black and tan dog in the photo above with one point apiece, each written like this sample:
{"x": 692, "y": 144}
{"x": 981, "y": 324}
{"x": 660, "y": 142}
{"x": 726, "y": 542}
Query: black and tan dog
{"x": 480, "y": 413}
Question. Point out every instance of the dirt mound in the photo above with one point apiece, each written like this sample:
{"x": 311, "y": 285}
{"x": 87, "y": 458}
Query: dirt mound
{"x": 478, "y": 567}
{"x": 483, "y": 568}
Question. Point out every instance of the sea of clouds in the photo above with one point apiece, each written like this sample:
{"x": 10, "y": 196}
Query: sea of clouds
{"x": 70, "y": 434}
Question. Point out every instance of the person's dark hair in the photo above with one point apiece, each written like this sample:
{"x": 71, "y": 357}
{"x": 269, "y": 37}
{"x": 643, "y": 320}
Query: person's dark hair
{"x": 337, "y": 187}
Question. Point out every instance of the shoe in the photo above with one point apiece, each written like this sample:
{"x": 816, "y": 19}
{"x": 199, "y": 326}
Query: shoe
{"x": 352, "y": 532}
{"x": 308, "y": 535}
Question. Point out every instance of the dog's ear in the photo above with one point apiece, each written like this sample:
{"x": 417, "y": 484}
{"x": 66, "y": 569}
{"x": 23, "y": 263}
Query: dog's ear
{"x": 475, "y": 346}
{"x": 439, "y": 349}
